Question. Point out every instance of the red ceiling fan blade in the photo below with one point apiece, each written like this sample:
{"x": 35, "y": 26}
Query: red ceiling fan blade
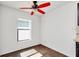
{"x": 42, "y": 12}
{"x": 44, "y": 5}
{"x": 26, "y": 8}
{"x": 32, "y": 13}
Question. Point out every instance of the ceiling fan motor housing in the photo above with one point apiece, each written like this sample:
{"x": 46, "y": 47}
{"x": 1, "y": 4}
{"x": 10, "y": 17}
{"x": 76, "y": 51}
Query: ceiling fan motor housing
{"x": 35, "y": 4}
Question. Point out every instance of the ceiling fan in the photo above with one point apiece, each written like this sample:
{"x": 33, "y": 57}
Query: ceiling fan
{"x": 37, "y": 7}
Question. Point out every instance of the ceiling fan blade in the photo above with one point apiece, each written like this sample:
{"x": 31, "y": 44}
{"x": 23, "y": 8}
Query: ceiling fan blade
{"x": 42, "y": 12}
{"x": 26, "y": 8}
{"x": 32, "y": 13}
{"x": 44, "y": 5}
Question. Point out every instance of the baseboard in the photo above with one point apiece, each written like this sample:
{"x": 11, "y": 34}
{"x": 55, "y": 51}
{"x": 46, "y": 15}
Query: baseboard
{"x": 34, "y": 46}
{"x": 54, "y": 50}
{"x": 20, "y": 49}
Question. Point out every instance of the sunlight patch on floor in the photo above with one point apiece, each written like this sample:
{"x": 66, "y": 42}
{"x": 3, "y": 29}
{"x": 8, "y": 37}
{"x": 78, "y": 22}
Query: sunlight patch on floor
{"x": 28, "y": 52}
{"x": 37, "y": 55}
{"x": 31, "y": 53}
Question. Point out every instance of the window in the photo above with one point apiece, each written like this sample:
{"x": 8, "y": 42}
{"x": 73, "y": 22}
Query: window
{"x": 23, "y": 29}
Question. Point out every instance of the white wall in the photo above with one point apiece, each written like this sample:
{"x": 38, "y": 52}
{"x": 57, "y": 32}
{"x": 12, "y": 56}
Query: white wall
{"x": 77, "y": 29}
{"x": 59, "y": 29}
{"x": 0, "y": 31}
{"x": 8, "y": 28}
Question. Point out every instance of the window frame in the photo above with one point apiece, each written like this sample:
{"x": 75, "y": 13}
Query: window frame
{"x": 24, "y": 29}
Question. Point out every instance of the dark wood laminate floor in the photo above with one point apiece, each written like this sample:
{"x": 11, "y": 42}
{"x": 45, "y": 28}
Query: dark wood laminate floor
{"x": 46, "y": 52}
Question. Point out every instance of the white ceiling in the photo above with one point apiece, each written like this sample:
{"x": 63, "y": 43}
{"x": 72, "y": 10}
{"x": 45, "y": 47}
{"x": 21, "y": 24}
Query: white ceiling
{"x": 18, "y": 4}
